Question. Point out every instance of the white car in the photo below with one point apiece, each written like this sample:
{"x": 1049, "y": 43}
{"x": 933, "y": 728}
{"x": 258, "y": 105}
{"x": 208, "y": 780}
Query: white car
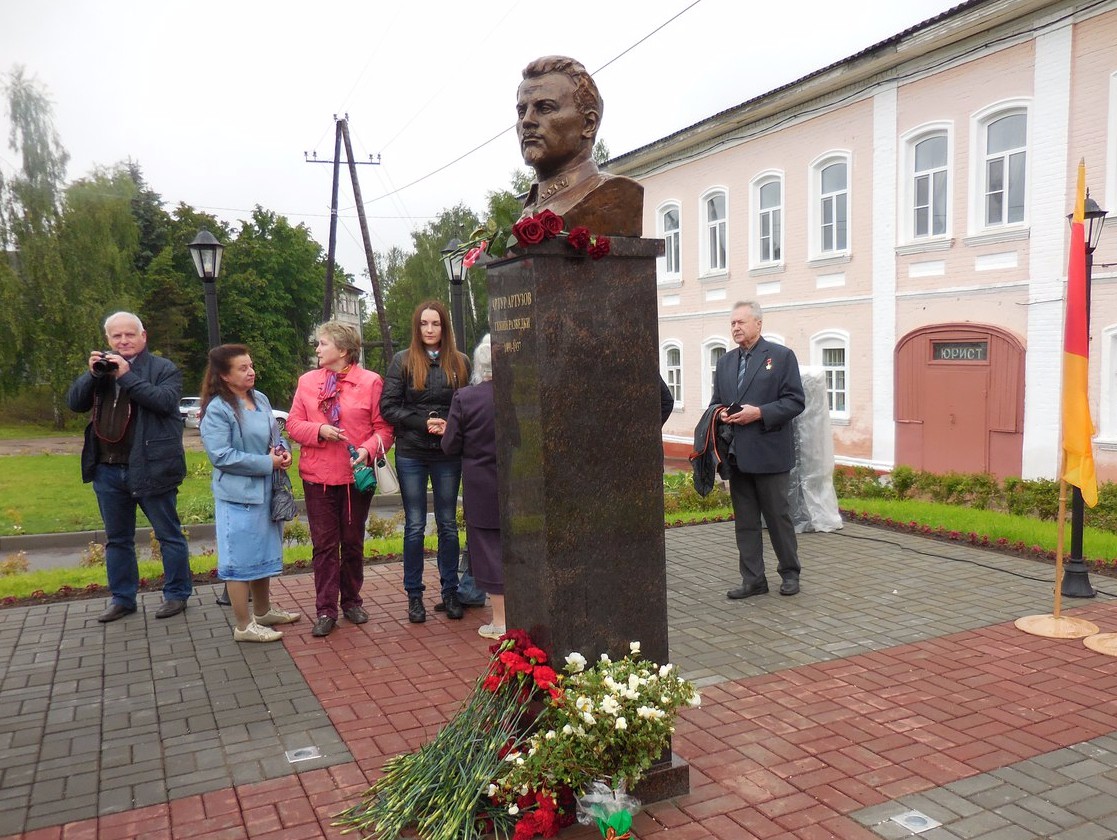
{"x": 186, "y": 404}
{"x": 194, "y": 417}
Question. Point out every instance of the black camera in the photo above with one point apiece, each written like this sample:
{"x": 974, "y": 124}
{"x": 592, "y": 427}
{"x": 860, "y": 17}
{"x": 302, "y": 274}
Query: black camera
{"x": 104, "y": 365}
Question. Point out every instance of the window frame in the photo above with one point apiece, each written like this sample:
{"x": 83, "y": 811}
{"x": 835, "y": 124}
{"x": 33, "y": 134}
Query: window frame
{"x": 708, "y": 371}
{"x": 664, "y": 274}
{"x": 758, "y": 183}
{"x": 815, "y": 206}
{"x": 910, "y": 141}
{"x": 665, "y": 369}
{"x": 831, "y": 340}
{"x": 980, "y": 122}
{"x": 706, "y": 269}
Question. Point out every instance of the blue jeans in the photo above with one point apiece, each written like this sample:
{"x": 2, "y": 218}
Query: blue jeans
{"x": 118, "y": 512}
{"x": 445, "y": 479}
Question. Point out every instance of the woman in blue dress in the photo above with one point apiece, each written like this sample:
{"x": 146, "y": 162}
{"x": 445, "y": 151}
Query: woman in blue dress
{"x": 240, "y": 437}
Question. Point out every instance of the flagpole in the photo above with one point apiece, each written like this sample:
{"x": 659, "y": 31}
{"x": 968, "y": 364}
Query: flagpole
{"x": 1074, "y": 416}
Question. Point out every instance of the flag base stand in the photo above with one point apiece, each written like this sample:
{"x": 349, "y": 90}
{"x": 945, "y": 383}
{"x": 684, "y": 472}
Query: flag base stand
{"x": 1102, "y": 643}
{"x": 1056, "y": 626}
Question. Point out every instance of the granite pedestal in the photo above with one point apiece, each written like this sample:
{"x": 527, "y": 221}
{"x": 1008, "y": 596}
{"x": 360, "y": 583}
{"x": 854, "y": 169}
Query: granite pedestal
{"x": 579, "y": 453}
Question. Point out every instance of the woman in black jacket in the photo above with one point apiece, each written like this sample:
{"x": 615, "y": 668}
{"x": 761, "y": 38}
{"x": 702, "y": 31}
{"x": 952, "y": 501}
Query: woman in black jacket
{"x": 418, "y": 387}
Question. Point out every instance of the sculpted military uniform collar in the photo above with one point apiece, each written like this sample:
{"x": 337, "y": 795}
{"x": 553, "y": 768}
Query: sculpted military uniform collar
{"x": 552, "y": 190}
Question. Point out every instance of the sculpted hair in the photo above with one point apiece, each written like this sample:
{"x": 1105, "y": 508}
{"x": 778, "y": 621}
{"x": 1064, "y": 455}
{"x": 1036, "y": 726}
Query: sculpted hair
{"x": 213, "y": 386}
{"x": 418, "y": 364}
{"x": 586, "y": 95}
{"x": 345, "y": 337}
{"x": 482, "y": 361}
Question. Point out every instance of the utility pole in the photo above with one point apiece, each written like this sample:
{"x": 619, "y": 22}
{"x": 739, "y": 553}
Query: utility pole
{"x": 342, "y": 134}
{"x": 381, "y": 315}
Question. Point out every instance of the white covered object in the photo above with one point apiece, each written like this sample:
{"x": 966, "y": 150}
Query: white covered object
{"x": 814, "y": 504}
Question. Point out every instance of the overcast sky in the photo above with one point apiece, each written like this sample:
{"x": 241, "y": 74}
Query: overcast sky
{"x": 218, "y": 101}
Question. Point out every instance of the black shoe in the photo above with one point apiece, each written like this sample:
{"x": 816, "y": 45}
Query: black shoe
{"x": 323, "y": 626}
{"x": 170, "y": 608}
{"x": 223, "y": 598}
{"x": 453, "y": 605}
{"x": 416, "y": 612}
{"x": 748, "y": 591}
{"x": 790, "y": 587}
{"x": 356, "y": 615}
{"x": 114, "y": 612}
{"x": 441, "y": 605}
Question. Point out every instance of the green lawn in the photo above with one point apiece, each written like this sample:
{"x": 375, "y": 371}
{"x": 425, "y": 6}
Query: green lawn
{"x": 44, "y": 494}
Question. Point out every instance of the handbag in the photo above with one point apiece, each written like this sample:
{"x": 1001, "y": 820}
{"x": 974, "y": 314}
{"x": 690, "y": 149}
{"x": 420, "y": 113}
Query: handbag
{"x": 283, "y": 507}
{"x": 385, "y": 472}
{"x": 363, "y": 476}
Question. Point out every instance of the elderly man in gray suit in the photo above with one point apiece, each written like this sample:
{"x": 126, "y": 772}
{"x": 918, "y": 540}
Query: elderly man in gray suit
{"x": 759, "y": 386}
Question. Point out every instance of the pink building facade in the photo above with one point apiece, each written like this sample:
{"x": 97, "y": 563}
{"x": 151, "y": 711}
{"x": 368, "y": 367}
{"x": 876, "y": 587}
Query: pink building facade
{"x": 901, "y": 218}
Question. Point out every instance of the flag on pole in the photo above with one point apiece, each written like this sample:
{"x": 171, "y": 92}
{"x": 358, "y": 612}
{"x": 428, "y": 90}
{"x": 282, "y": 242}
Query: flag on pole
{"x": 1078, "y": 428}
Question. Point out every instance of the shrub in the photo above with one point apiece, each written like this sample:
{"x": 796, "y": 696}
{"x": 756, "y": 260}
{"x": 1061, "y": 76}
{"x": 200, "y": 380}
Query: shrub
{"x": 380, "y": 527}
{"x": 903, "y": 479}
{"x": 296, "y": 533}
{"x": 14, "y": 564}
{"x": 93, "y": 556}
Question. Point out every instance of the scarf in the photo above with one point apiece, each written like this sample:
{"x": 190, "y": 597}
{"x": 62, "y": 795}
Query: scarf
{"x": 328, "y": 402}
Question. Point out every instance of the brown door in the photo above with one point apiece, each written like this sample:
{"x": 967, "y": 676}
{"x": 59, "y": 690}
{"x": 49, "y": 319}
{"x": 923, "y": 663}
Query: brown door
{"x": 955, "y": 432}
{"x": 960, "y": 399}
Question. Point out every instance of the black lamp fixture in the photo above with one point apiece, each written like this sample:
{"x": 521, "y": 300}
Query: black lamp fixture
{"x": 453, "y": 258}
{"x": 1094, "y": 217}
{"x": 206, "y": 251}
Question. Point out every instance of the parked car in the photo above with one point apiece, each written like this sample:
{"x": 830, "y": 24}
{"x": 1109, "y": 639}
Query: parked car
{"x": 194, "y": 418}
{"x": 188, "y": 403}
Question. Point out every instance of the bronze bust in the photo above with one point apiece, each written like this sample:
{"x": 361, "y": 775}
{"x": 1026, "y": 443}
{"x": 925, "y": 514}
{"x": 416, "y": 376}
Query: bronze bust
{"x": 558, "y": 112}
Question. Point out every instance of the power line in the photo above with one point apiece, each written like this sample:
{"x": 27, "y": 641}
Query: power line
{"x": 504, "y": 131}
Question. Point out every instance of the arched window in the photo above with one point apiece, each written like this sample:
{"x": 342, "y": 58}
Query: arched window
{"x": 830, "y": 350}
{"x": 669, "y": 227}
{"x": 830, "y": 205}
{"x": 767, "y": 225}
{"x": 712, "y": 351}
{"x": 715, "y": 232}
{"x": 999, "y": 174}
{"x": 671, "y": 369}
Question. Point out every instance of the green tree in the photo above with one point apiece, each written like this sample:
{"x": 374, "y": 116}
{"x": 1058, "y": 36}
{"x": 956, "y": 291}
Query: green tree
{"x": 423, "y": 274}
{"x": 36, "y": 328}
{"x": 271, "y": 298}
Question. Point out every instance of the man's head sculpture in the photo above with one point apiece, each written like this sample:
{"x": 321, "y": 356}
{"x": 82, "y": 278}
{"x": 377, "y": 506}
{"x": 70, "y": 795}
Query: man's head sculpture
{"x": 558, "y": 113}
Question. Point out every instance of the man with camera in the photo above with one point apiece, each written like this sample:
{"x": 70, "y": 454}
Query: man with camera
{"x": 133, "y": 454}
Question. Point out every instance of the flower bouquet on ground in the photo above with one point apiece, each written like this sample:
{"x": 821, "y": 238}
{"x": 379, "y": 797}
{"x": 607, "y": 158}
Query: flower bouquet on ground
{"x": 526, "y": 743}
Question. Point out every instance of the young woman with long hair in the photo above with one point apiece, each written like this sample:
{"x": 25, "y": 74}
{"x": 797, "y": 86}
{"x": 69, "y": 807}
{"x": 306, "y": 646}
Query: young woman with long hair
{"x": 418, "y": 388}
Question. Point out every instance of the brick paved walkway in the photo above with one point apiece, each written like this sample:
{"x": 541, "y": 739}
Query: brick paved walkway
{"x": 894, "y": 682}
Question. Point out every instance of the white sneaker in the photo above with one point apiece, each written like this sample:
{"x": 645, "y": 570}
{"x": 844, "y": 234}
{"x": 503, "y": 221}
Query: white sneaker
{"x": 255, "y": 633}
{"x": 276, "y": 616}
{"x": 491, "y": 631}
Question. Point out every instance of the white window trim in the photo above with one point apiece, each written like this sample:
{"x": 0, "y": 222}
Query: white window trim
{"x": 663, "y": 278}
{"x": 1107, "y": 423}
{"x": 673, "y": 344}
{"x": 979, "y": 122}
{"x": 707, "y": 371}
{"x": 1111, "y": 148}
{"x": 704, "y": 269}
{"x": 762, "y": 179}
{"x": 825, "y": 340}
{"x": 814, "y": 198}
{"x": 908, "y": 141}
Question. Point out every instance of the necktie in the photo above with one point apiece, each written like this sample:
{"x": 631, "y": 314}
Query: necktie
{"x": 744, "y": 366}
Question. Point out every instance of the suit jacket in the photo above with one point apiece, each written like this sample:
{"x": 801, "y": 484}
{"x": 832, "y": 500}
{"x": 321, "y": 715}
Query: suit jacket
{"x": 773, "y": 385}
{"x": 471, "y": 433}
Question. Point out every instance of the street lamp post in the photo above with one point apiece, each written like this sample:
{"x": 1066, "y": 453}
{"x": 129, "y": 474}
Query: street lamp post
{"x": 452, "y": 257}
{"x": 206, "y": 251}
{"x": 1076, "y": 578}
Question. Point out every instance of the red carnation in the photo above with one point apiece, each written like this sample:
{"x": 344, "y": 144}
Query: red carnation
{"x": 600, "y": 247}
{"x": 529, "y": 231}
{"x": 579, "y": 238}
{"x": 552, "y": 224}
{"x": 545, "y": 676}
{"x": 539, "y": 655}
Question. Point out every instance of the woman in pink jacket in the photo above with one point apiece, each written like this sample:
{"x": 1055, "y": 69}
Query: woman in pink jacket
{"x": 336, "y": 405}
